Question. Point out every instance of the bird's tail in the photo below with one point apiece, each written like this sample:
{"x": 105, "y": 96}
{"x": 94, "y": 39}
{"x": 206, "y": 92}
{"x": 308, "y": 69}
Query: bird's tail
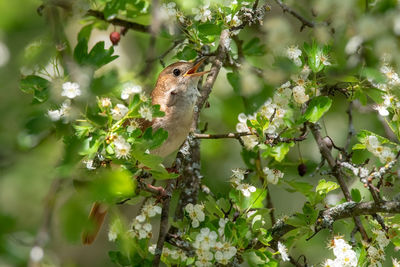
{"x": 96, "y": 218}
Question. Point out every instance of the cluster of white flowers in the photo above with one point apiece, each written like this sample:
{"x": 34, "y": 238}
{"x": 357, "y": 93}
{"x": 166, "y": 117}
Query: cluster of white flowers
{"x": 391, "y": 84}
{"x": 396, "y": 263}
{"x": 283, "y": 251}
{"x": 272, "y": 175}
{"x": 300, "y": 82}
{"x": 130, "y": 89}
{"x": 62, "y": 113}
{"x": 233, "y": 20}
{"x": 119, "y": 111}
{"x": 207, "y": 242}
{"x": 384, "y": 153}
{"x": 195, "y": 213}
{"x": 276, "y": 108}
{"x": 141, "y": 227}
{"x": 294, "y": 53}
{"x": 146, "y": 112}
{"x": 175, "y": 254}
{"x": 70, "y": 90}
{"x": 167, "y": 15}
{"x": 202, "y": 14}
{"x": 345, "y": 255}
{"x": 376, "y": 254}
{"x": 236, "y": 181}
{"x": 122, "y": 148}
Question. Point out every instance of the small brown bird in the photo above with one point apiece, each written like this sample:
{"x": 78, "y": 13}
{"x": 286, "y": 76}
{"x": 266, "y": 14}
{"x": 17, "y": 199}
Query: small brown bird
{"x": 176, "y": 92}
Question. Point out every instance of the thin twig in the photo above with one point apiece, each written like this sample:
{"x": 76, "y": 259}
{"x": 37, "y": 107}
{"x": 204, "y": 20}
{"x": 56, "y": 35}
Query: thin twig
{"x": 119, "y": 22}
{"x": 350, "y": 127}
{"x": 326, "y": 153}
{"x": 305, "y": 22}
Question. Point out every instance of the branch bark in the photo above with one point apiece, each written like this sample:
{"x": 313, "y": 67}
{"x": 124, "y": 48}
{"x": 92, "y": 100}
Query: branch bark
{"x": 326, "y": 154}
{"x": 349, "y": 209}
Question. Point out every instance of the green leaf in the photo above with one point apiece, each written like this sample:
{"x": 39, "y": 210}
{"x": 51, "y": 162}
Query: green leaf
{"x": 324, "y": 187}
{"x": 187, "y": 54}
{"x": 317, "y": 108}
{"x": 37, "y": 86}
{"x": 301, "y": 187}
{"x": 112, "y": 7}
{"x": 314, "y": 55}
{"x": 118, "y": 258}
{"x": 84, "y": 33}
{"x": 255, "y": 200}
{"x": 363, "y": 134}
{"x": 254, "y": 48}
{"x": 209, "y": 29}
{"x": 155, "y": 139}
{"x": 278, "y": 152}
{"x": 234, "y": 81}
{"x": 355, "y": 195}
{"x": 112, "y": 185}
{"x": 97, "y": 57}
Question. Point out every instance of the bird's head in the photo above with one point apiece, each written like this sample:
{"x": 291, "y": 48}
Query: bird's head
{"x": 177, "y": 84}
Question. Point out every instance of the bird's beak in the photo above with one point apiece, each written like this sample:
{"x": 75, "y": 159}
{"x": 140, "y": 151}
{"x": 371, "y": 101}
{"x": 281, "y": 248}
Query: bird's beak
{"x": 192, "y": 72}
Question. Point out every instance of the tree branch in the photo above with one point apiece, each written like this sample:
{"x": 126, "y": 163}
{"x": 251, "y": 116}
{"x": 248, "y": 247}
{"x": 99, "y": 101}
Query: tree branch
{"x": 345, "y": 210}
{"x": 164, "y": 226}
{"x": 305, "y": 22}
{"x": 119, "y": 22}
{"x": 326, "y": 153}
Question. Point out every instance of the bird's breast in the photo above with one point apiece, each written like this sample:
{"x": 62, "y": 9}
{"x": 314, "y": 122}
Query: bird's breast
{"x": 177, "y": 122}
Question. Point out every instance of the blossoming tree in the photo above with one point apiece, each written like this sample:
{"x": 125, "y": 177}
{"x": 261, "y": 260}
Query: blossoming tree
{"x": 343, "y": 61}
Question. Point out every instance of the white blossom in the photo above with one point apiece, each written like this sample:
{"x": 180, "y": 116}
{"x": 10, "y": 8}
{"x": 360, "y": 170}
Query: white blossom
{"x": 324, "y": 59}
{"x": 203, "y": 14}
{"x": 196, "y": 213}
{"x": 54, "y": 115}
{"x": 381, "y": 238}
{"x": 119, "y": 111}
{"x": 205, "y": 240}
{"x": 299, "y": 94}
{"x": 250, "y": 141}
{"x": 105, "y": 102}
{"x": 152, "y": 249}
{"x": 130, "y": 89}
{"x": 345, "y": 255}
{"x": 70, "y": 90}
{"x": 146, "y": 113}
{"x": 283, "y": 251}
{"x": 122, "y": 148}
{"x": 246, "y": 189}
{"x": 382, "y": 110}
{"x": 353, "y": 44}
{"x": 234, "y": 20}
{"x": 36, "y": 254}
{"x": 89, "y": 164}
{"x": 112, "y": 235}
{"x": 396, "y": 263}
{"x": 273, "y": 176}
{"x": 242, "y": 117}
{"x": 332, "y": 263}
{"x": 294, "y": 53}
{"x": 150, "y": 209}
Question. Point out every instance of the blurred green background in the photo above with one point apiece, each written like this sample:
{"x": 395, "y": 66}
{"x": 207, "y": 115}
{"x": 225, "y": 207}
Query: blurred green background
{"x": 29, "y": 155}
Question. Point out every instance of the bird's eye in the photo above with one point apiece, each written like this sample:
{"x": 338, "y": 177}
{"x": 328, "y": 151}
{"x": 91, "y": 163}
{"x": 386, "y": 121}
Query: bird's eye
{"x": 176, "y": 72}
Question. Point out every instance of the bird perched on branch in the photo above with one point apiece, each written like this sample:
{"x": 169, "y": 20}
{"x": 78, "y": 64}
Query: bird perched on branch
{"x": 176, "y": 92}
